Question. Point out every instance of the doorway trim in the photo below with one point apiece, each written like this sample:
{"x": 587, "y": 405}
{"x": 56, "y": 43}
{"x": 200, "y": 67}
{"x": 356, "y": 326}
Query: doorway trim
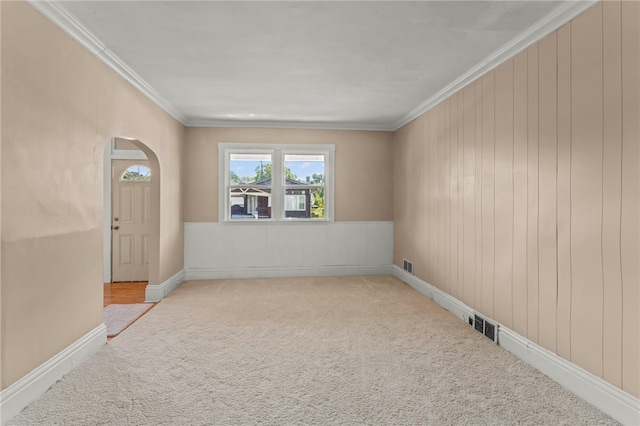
{"x": 111, "y": 153}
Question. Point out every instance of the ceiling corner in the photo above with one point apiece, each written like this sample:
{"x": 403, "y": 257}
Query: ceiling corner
{"x": 562, "y": 14}
{"x": 58, "y": 14}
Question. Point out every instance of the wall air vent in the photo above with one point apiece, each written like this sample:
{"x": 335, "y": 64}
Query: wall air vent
{"x": 485, "y": 327}
{"x": 408, "y": 266}
{"x": 490, "y": 331}
{"x": 478, "y": 324}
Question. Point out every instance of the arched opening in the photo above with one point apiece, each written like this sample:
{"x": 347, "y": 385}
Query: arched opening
{"x": 131, "y": 212}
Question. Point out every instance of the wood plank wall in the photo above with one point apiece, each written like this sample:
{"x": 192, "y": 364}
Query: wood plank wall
{"x": 519, "y": 195}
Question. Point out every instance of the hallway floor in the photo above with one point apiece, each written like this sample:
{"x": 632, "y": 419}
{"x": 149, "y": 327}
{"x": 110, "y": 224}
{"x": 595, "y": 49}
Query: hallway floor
{"x": 124, "y": 293}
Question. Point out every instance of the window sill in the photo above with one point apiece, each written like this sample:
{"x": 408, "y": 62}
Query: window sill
{"x": 275, "y": 221}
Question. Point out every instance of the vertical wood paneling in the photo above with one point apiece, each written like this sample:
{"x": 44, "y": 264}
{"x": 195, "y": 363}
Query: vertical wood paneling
{"x": 504, "y": 193}
{"x": 520, "y": 305}
{"x": 469, "y": 169}
{"x": 630, "y": 224}
{"x": 488, "y": 190}
{"x": 442, "y": 265}
{"x": 563, "y": 334}
{"x": 547, "y": 181}
{"x": 433, "y": 206}
{"x": 612, "y": 192}
{"x": 426, "y": 212}
{"x": 531, "y": 186}
{"x": 478, "y": 195}
{"x": 435, "y": 117}
{"x": 410, "y": 206}
{"x": 404, "y": 200}
{"x": 586, "y": 190}
{"x": 447, "y": 190}
{"x": 417, "y": 203}
{"x": 426, "y": 176}
{"x": 399, "y": 188}
{"x": 453, "y": 191}
{"x": 532, "y": 194}
{"x": 460, "y": 124}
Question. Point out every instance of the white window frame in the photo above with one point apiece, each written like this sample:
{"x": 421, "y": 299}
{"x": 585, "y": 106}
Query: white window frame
{"x": 277, "y": 151}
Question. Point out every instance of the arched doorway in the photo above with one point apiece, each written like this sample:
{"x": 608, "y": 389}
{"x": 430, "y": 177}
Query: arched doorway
{"x": 131, "y": 212}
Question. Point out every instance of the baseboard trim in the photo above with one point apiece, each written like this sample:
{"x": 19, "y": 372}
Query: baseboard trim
{"x": 157, "y": 292}
{"x": 443, "y": 299}
{"x": 29, "y": 388}
{"x": 617, "y": 403}
{"x": 280, "y": 272}
{"x": 611, "y": 400}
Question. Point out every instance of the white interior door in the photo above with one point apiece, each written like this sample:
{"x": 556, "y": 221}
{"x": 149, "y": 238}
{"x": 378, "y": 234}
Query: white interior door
{"x": 130, "y": 220}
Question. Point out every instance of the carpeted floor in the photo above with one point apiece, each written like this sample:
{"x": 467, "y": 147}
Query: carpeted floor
{"x": 343, "y": 350}
{"x": 117, "y": 317}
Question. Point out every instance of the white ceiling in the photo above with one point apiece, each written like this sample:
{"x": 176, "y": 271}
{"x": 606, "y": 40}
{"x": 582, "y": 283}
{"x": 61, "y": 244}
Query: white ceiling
{"x": 318, "y": 64}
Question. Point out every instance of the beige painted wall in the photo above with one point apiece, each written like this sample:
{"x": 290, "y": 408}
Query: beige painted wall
{"x": 363, "y": 167}
{"x": 60, "y": 106}
{"x": 519, "y": 195}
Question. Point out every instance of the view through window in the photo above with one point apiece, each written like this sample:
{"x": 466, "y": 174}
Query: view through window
{"x": 279, "y": 183}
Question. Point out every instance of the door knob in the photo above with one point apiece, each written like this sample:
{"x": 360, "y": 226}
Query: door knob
{"x": 115, "y": 228}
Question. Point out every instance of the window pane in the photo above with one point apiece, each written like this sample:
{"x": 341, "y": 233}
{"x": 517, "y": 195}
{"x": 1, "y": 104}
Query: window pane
{"x": 250, "y": 169}
{"x": 250, "y": 203}
{"x": 304, "y": 169}
{"x": 317, "y": 203}
{"x": 137, "y": 173}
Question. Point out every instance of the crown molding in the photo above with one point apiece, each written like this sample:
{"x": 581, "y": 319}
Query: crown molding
{"x": 559, "y": 16}
{"x": 309, "y": 125}
{"x": 60, "y": 16}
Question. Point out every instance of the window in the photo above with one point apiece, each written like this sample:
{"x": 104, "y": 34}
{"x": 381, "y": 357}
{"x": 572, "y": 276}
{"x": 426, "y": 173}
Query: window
{"x": 276, "y": 182}
{"x": 250, "y": 185}
{"x": 295, "y": 202}
{"x": 137, "y": 173}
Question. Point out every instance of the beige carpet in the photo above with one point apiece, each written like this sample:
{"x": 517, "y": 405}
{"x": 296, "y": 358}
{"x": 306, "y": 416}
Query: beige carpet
{"x": 117, "y": 317}
{"x": 346, "y": 351}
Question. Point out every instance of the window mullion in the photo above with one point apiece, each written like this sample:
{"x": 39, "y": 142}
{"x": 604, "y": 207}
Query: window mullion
{"x": 277, "y": 186}
{"x": 226, "y": 182}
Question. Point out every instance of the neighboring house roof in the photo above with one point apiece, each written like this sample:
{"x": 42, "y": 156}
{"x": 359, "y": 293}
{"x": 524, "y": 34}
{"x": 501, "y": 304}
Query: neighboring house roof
{"x": 288, "y": 181}
{"x": 250, "y": 189}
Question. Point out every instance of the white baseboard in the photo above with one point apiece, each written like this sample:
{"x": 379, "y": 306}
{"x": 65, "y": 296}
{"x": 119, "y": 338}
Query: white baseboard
{"x": 611, "y": 400}
{"x": 617, "y": 403}
{"x": 280, "y": 272}
{"x": 443, "y": 299}
{"x": 155, "y": 293}
{"x": 17, "y": 396}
